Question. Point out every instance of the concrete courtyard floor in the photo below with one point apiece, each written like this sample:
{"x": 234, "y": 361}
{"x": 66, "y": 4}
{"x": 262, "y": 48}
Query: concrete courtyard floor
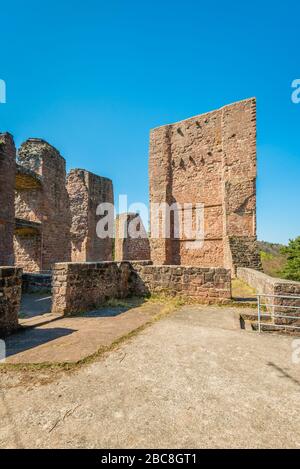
{"x": 191, "y": 380}
{"x": 57, "y": 339}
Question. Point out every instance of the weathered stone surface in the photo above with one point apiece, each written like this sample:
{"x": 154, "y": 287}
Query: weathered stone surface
{"x": 27, "y": 179}
{"x": 192, "y": 380}
{"x": 10, "y": 298}
{"x": 207, "y": 285}
{"x": 47, "y": 204}
{"x": 274, "y": 287}
{"x": 131, "y": 240}
{"x": 85, "y": 286}
{"x": 208, "y": 159}
{"x": 86, "y": 191}
{"x": 66, "y": 214}
{"x": 36, "y": 282}
{"x": 243, "y": 251}
{"x": 7, "y": 196}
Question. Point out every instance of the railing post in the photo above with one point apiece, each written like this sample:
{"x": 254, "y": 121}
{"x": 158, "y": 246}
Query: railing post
{"x": 258, "y": 313}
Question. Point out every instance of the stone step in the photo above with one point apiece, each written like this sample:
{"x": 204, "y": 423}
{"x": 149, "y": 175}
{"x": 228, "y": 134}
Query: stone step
{"x": 275, "y": 328}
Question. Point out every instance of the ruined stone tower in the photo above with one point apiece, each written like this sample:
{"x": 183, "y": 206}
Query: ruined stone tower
{"x": 42, "y": 208}
{"x": 208, "y": 159}
{"x": 86, "y": 191}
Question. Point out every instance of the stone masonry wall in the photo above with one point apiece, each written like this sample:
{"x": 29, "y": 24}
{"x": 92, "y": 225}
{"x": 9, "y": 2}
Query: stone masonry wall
{"x": 207, "y": 285}
{"x": 37, "y": 282}
{"x": 243, "y": 251}
{"x": 85, "y": 286}
{"x": 86, "y": 191}
{"x": 7, "y": 196}
{"x": 131, "y": 240}
{"x": 28, "y": 251}
{"x": 266, "y": 285}
{"x": 208, "y": 159}
{"x": 10, "y": 298}
{"x": 47, "y": 205}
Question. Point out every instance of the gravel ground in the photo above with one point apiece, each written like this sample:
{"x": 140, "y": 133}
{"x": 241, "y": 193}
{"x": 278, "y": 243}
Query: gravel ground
{"x": 193, "y": 379}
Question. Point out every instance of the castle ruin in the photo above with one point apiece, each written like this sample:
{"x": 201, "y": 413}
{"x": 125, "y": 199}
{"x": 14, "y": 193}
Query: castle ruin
{"x": 48, "y": 219}
{"x": 45, "y": 215}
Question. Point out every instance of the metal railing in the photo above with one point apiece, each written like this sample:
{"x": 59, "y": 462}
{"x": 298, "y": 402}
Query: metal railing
{"x": 275, "y": 315}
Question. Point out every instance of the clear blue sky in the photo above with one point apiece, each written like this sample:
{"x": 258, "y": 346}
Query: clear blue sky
{"x": 92, "y": 77}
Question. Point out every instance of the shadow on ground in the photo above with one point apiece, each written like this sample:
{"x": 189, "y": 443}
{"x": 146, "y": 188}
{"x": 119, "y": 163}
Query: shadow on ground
{"x": 113, "y": 309}
{"x": 72, "y": 338}
{"x": 283, "y": 373}
{"x": 28, "y": 339}
{"x": 35, "y": 304}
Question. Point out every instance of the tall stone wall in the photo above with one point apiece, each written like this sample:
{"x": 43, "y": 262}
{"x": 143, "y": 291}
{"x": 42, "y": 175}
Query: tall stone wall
{"x": 38, "y": 248}
{"x": 29, "y": 209}
{"x": 79, "y": 287}
{"x": 28, "y": 250}
{"x": 86, "y": 191}
{"x": 209, "y": 159}
{"x": 7, "y": 196}
{"x": 10, "y": 298}
{"x": 131, "y": 239}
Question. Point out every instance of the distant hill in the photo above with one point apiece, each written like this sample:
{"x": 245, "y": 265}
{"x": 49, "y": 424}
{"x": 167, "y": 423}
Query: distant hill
{"x": 272, "y": 260}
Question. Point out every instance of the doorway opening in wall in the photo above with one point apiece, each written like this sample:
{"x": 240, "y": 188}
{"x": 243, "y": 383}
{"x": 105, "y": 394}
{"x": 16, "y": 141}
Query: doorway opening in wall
{"x": 36, "y": 296}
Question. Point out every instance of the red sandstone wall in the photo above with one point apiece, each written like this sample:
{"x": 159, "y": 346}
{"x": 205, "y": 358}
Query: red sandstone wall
{"x": 208, "y": 159}
{"x": 86, "y": 191}
{"x": 126, "y": 247}
{"x": 29, "y": 205}
{"x": 7, "y": 195}
{"x": 10, "y": 298}
{"x": 100, "y": 191}
{"x": 48, "y": 205}
{"x": 239, "y": 180}
{"x": 79, "y": 287}
{"x": 27, "y": 249}
{"x": 265, "y": 285}
{"x": 77, "y": 187}
{"x": 205, "y": 285}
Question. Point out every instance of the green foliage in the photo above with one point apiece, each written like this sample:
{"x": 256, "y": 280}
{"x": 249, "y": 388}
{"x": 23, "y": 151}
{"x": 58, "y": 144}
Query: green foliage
{"x": 291, "y": 270}
{"x": 266, "y": 256}
{"x": 273, "y": 261}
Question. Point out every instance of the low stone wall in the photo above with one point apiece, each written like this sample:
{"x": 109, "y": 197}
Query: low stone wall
{"x": 10, "y": 298}
{"x": 81, "y": 287}
{"x": 37, "y": 282}
{"x": 266, "y": 285}
{"x": 209, "y": 285}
